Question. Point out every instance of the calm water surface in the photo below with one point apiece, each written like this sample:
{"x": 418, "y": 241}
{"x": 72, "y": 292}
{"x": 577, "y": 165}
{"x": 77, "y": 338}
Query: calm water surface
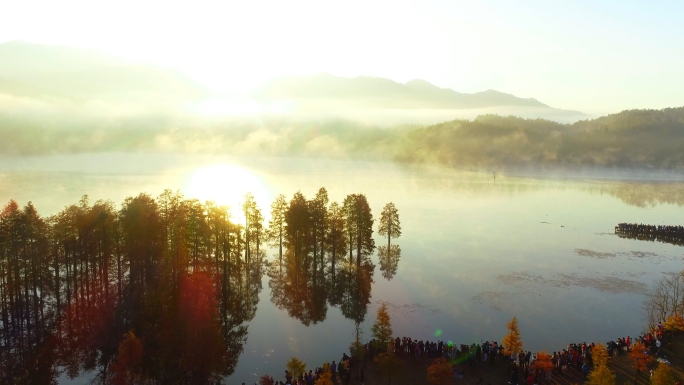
{"x": 476, "y": 250}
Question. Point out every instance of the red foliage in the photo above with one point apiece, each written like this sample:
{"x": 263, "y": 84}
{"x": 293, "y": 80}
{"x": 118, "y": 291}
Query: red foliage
{"x": 126, "y": 369}
{"x": 198, "y": 316}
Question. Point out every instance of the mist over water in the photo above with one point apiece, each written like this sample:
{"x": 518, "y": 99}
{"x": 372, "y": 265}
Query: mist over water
{"x": 477, "y": 248}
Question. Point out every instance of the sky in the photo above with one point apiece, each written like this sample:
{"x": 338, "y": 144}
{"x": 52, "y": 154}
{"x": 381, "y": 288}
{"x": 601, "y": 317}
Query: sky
{"x": 594, "y": 56}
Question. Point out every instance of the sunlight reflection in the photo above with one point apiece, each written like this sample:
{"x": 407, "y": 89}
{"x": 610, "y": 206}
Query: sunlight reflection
{"x": 226, "y": 185}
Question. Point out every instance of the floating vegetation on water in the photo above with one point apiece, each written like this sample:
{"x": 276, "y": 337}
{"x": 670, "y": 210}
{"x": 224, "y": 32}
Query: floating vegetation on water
{"x": 655, "y": 257}
{"x": 593, "y": 254}
{"x": 497, "y": 300}
{"x": 606, "y": 284}
{"x": 408, "y": 308}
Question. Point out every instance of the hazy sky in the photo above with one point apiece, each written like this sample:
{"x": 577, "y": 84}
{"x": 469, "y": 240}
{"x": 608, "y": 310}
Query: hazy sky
{"x": 594, "y": 56}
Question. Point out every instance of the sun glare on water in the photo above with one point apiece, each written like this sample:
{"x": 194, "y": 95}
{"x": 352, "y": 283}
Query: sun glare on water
{"x": 227, "y": 185}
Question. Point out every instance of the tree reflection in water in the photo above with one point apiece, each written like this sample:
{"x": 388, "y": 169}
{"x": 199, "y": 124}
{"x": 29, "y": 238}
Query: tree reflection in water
{"x": 91, "y": 287}
{"x": 163, "y": 289}
{"x": 326, "y": 259}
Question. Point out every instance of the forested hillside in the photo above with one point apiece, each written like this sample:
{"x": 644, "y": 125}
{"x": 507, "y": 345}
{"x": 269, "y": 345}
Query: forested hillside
{"x": 644, "y": 139}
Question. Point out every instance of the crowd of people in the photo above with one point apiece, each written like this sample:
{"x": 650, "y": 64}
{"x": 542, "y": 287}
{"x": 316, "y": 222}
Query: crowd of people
{"x": 666, "y": 234}
{"x": 575, "y": 358}
{"x": 650, "y": 229}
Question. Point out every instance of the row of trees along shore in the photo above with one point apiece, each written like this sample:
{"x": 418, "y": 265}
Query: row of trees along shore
{"x": 162, "y": 289}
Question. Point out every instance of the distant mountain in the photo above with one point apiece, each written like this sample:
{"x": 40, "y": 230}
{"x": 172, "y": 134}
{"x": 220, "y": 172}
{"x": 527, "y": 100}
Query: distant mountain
{"x": 60, "y": 80}
{"x": 54, "y": 72}
{"x": 371, "y": 92}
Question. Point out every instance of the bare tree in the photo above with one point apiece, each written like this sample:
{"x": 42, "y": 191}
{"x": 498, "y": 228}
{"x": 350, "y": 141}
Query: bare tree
{"x": 664, "y": 299}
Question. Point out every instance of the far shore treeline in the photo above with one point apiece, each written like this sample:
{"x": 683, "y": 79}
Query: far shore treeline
{"x": 164, "y": 288}
{"x": 644, "y": 139}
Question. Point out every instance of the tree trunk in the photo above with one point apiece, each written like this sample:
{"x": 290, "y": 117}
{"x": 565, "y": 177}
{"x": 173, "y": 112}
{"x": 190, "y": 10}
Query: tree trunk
{"x": 636, "y": 377}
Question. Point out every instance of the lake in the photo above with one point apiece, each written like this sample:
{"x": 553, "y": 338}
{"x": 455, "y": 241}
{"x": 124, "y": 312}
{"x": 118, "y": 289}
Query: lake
{"x": 477, "y": 248}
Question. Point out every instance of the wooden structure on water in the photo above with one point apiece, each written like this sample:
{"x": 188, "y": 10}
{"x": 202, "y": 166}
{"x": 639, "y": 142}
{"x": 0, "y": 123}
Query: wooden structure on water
{"x": 654, "y": 233}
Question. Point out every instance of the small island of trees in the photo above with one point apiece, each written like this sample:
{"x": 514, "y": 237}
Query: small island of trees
{"x": 163, "y": 289}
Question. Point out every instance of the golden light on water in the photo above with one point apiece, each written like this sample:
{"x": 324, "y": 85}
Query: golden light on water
{"x": 227, "y": 185}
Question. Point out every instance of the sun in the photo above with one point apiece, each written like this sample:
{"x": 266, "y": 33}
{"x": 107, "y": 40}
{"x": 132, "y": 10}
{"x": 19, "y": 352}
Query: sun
{"x": 227, "y": 185}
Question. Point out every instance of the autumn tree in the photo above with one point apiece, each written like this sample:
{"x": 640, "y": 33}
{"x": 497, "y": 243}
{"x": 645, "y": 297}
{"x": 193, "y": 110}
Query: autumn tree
{"x": 297, "y": 222}
{"x": 336, "y": 243}
{"x": 276, "y": 226}
{"x": 389, "y": 223}
{"x": 389, "y": 260}
{"x": 296, "y": 367}
{"x": 253, "y": 230}
{"x": 388, "y": 362}
{"x": 382, "y": 329}
{"x": 512, "y": 342}
{"x": 662, "y": 375}
{"x": 127, "y": 367}
{"x": 266, "y": 380}
{"x": 326, "y": 376}
{"x": 359, "y": 224}
{"x": 640, "y": 359}
{"x": 599, "y": 354}
{"x": 601, "y": 375}
{"x": 318, "y": 209}
{"x": 543, "y": 363}
{"x": 673, "y": 323}
{"x": 440, "y": 372}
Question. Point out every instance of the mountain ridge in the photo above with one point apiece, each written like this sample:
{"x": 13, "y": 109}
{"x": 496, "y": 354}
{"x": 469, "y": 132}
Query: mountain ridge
{"x": 57, "y": 73}
{"x": 377, "y": 92}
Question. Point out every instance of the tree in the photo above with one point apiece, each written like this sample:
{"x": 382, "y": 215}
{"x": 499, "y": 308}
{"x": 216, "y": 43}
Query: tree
{"x": 599, "y": 355}
{"x": 674, "y": 322}
{"x": 601, "y": 375}
{"x": 326, "y": 377}
{"x": 388, "y": 362}
{"x": 356, "y": 348}
{"x": 382, "y": 329}
{"x": 276, "y": 230}
{"x": 336, "y": 242}
{"x": 440, "y": 372}
{"x": 640, "y": 358}
{"x": 359, "y": 224}
{"x": 389, "y": 223}
{"x": 543, "y": 363}
{"x": 512, "y": 342}
{"x": 266, "y": 380}
{"x": 664, "y": 299}
{"x": 296, "y": 367}
{"x": 126, "y": 369}
{"x": 662, "y": 375}
{"x": 389, "y": 260}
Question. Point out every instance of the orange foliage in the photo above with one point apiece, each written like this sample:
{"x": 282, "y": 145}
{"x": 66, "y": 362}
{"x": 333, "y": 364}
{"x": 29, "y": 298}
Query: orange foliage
{"x": 543, "y": 362}
{"x": 326, "y": 377}
{"x": 126, "y": 369}
{"x": 512, "y": 342}
{"x": 266, "y": 380}
{"x": 440, "y": 373}
{"x": 674, "y": 322}
{"x": 640, "y": 358}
